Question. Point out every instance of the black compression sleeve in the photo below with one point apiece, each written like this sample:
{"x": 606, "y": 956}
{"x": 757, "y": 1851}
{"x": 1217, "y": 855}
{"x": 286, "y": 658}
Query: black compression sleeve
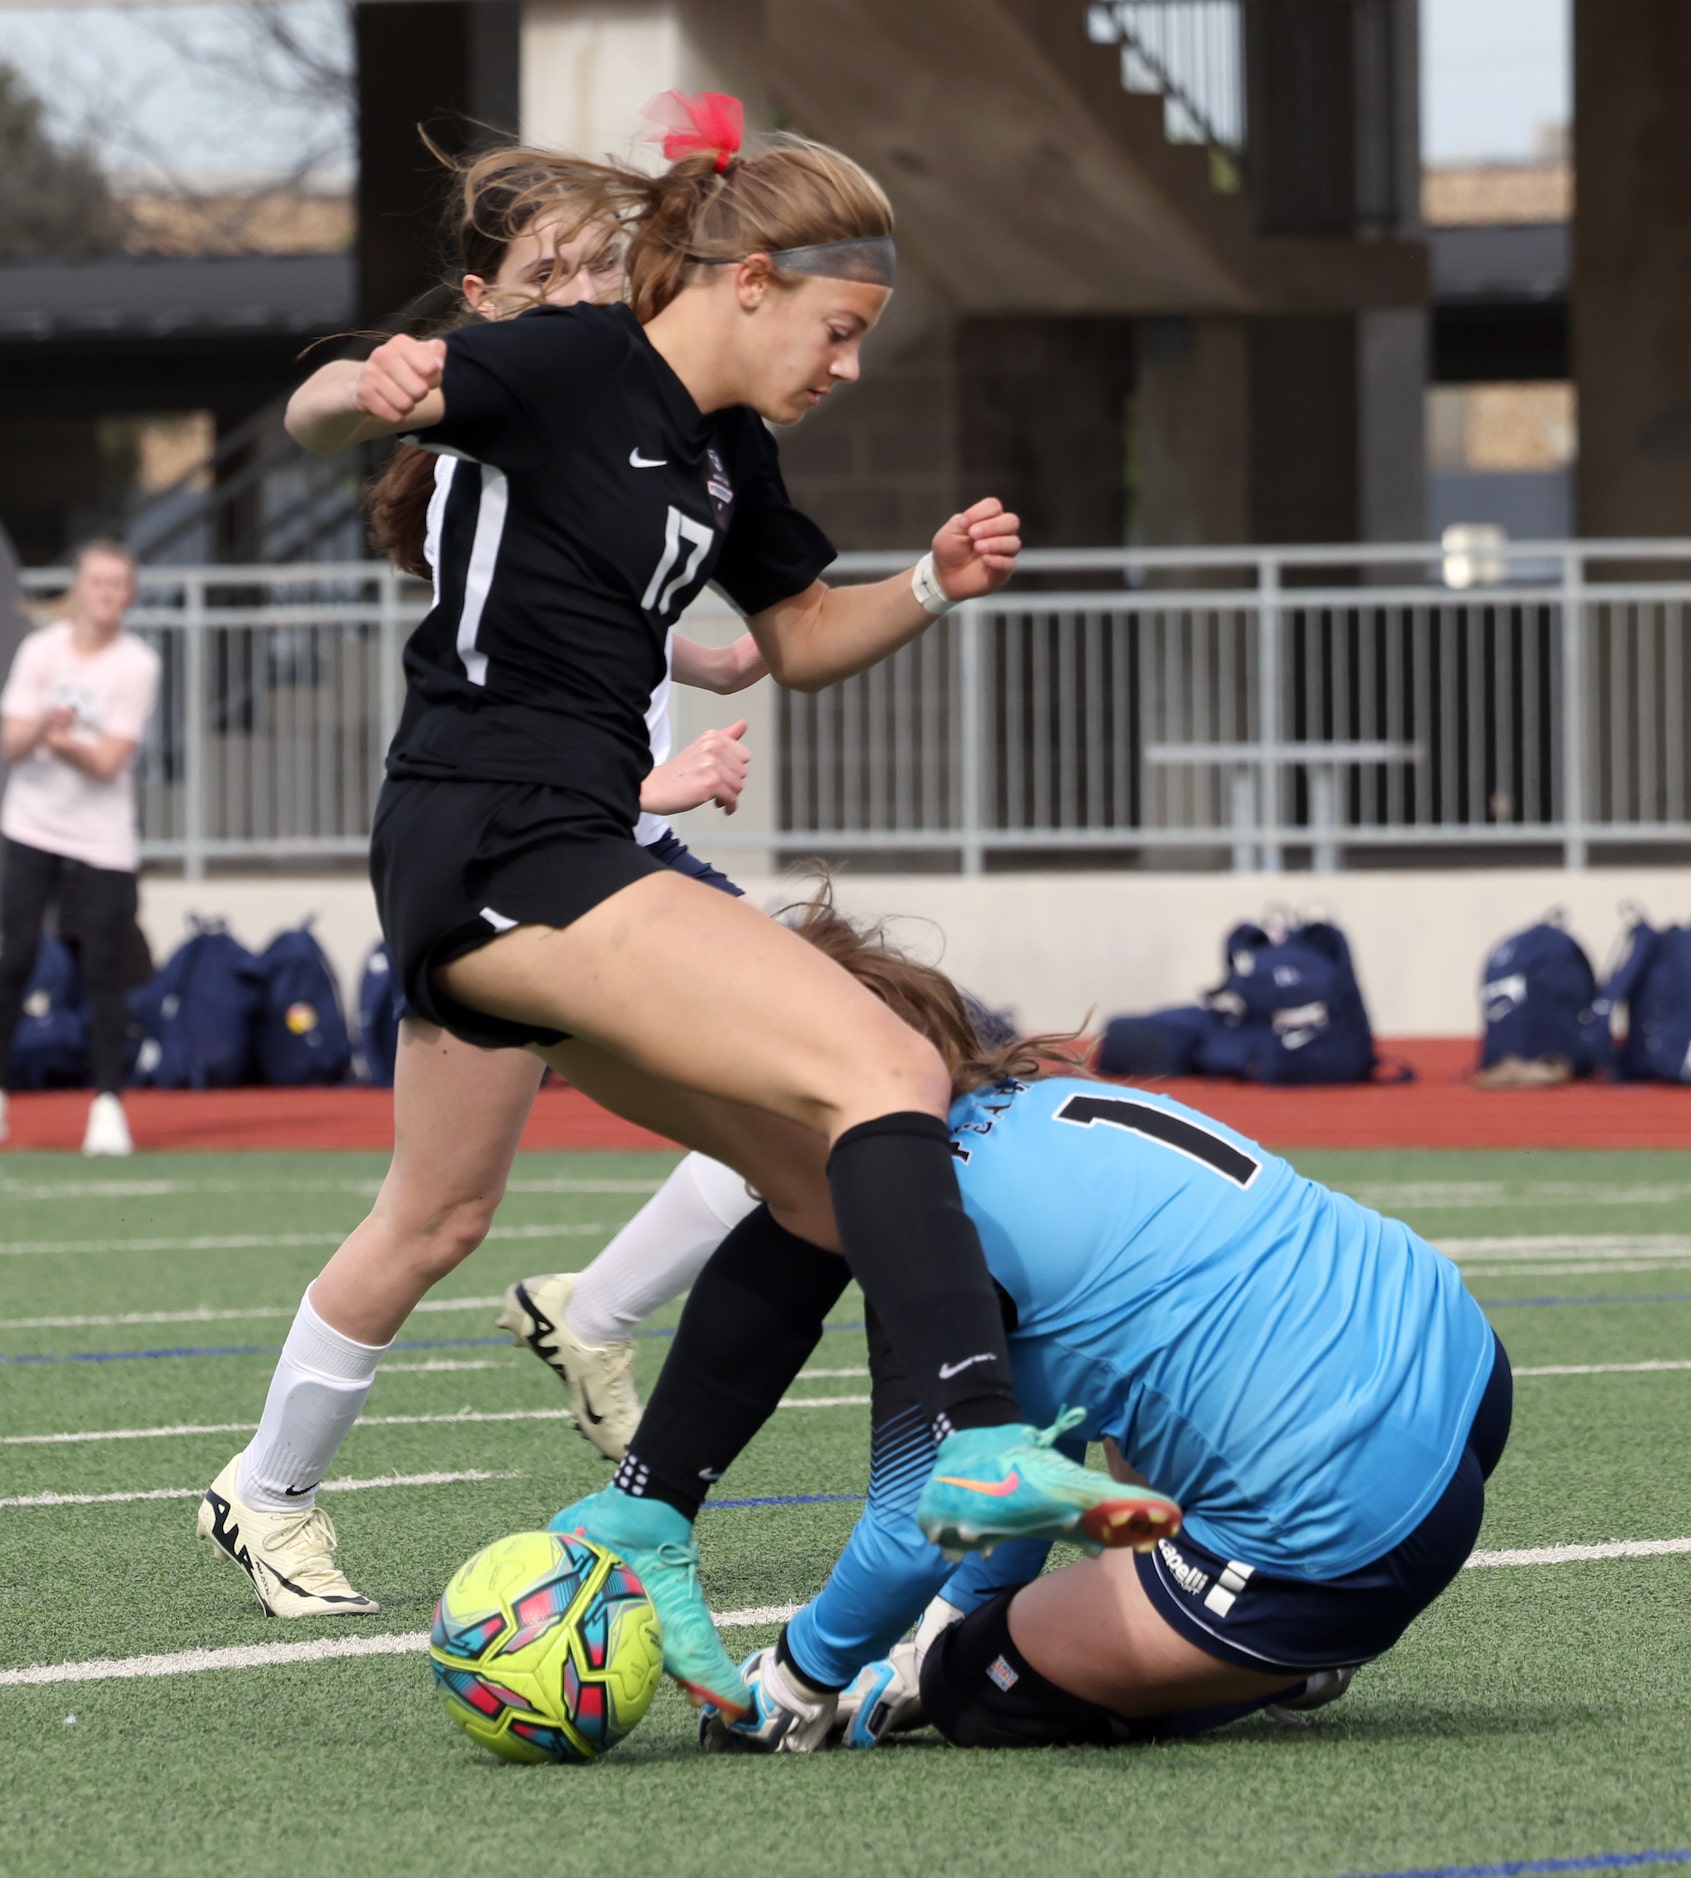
{"x": 754, "y": 1315}
{"x": 918, "y": 1258}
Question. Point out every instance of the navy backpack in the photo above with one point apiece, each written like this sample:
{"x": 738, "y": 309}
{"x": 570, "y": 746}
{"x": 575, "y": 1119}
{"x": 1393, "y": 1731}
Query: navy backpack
{"x": 1289, "y": 1011}
{"x": 1653, "y": 982}
{"x": 198, "y": 1017}
{"x": 381, "y": 1004}
{"x": 302, "y": 1036}
{"x": 1538, "y": 995}
{"x": 50, "y": 1045}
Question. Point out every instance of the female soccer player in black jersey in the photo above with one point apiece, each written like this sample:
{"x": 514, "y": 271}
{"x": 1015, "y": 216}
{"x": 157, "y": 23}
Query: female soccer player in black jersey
{"x": 529, "y": 228}
{"x": 611, "y": 462}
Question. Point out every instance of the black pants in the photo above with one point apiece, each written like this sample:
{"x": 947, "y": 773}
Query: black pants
{"x": 96, "y": 915}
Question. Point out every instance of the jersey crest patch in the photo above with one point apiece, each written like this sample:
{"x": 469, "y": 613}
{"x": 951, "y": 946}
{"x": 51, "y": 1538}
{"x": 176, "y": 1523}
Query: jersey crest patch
{"x": 721, "y": 490}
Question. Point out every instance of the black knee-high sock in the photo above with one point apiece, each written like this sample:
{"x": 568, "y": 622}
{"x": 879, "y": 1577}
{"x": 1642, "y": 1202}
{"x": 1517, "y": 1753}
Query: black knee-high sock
{"x": 918, "y": 1258}
{"x": 754, "y": 1315}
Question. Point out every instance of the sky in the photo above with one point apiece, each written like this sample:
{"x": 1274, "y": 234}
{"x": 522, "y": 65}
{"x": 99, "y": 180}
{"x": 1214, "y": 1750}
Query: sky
{"x": 1493, "y": 72}
{"x": 177, "y": 90}
{"x": 188, "y": 92}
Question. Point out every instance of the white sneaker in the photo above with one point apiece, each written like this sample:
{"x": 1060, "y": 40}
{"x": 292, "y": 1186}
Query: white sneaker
{"x": 290, "y": 1557}
{"x": 599, "y": 1377}
{"x": 108, "y": 1128}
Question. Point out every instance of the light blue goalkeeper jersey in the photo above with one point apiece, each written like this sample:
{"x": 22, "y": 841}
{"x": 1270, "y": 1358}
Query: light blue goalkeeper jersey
{"x": 1299, "y": 1372}
{"x": 1296, "y": 1370}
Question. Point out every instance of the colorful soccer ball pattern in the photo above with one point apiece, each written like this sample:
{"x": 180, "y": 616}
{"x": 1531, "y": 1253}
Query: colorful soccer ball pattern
{"x": 546, "y": 1648}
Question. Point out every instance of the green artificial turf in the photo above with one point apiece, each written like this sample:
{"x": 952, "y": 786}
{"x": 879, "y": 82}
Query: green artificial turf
{"x": 1537, "y": 1713}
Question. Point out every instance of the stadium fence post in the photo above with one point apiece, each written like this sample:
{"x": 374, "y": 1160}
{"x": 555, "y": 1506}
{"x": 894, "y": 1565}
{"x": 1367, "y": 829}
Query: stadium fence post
{"x": 390, "y": 684}
{"x": 194, "y": 726}
{"x": 1269, "y": 791}
{"x": 1574, "y": 706}
{"x": 972, "y": 766}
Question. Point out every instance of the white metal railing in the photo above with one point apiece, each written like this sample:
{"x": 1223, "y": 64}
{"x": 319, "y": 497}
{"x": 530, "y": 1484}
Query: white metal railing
{"x": 1244, "y": 707}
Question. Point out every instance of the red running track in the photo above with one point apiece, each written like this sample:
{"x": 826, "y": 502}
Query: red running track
{"x": 1440, "y": 1109}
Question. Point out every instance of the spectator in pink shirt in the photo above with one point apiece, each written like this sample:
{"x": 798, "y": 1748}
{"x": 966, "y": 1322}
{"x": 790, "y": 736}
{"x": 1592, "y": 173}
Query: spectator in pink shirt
{"x": 74, "y": 708}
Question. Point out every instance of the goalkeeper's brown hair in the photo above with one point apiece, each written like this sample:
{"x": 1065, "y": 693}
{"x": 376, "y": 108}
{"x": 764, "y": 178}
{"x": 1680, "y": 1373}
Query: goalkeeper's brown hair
{"x": 929, "y": 1002}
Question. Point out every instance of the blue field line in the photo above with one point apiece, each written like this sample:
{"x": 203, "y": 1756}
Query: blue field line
{"x": 785, "y": 1499}
{"x": 1520, "y": 1868}
{"x": 271, "y": 1349}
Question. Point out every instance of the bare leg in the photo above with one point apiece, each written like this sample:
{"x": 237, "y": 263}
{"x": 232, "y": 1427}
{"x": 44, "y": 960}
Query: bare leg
{"x": 1091, "y": 1630}
{"x": 782, "y": 1162}
{"x": 458, "y": 1115}
{"x": 700, "y": 990}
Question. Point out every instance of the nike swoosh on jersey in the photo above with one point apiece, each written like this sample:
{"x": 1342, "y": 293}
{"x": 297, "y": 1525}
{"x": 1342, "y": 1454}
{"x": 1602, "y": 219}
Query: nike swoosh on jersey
{"x": 637, "y": 461}
{"x": 994, "y": 1489}
{"x": 948, "y": 1370}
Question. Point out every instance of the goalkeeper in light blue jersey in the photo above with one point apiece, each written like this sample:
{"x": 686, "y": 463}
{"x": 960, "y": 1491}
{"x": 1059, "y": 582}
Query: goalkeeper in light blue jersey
{"x": 1308, "y": 1379}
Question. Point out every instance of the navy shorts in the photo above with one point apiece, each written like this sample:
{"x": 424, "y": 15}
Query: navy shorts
{"x": 1256, "y": 1620}
{"x": 675, "y": 853}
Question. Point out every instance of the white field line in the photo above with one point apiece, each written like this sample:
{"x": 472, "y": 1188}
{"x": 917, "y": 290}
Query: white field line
{"x": 369, "y": 1421}
{"x": 204, "y": 1316}
{"x": 320, "y": 1649}
{"x": 258, "y": 1241}
{"x": 1395, "y": 1196}
{"x": 1601, "y": 1369}
{"x": 1579, "y": 1554}
{"x": 1660, "y": 1245}
{"x": 554, "y": 1415}
{"x": 317, "y": 1650}
{"x": 436, "y": 1364}
{"x": 195, "y": 1493}
{"x": 143, "y": 1189}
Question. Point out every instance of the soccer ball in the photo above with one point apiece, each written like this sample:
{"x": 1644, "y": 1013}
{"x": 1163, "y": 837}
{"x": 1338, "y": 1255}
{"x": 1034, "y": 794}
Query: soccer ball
{"x": 546, "y": 1648}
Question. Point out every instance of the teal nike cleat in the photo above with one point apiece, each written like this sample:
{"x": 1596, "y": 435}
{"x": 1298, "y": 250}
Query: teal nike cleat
{"x": 993, "y": 1484}
{"x": 656, "y": 1542}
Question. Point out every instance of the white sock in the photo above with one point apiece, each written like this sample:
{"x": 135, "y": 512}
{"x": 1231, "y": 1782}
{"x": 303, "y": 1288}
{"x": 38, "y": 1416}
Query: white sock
{"x": 659, "y": 1253}
{"x": 315, "y": 1396}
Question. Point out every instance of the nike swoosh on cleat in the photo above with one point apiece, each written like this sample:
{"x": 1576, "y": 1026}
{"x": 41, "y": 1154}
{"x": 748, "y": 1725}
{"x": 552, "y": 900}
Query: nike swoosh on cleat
{"x": 587, "y": 1407}
{"x": 995, "y": 1489}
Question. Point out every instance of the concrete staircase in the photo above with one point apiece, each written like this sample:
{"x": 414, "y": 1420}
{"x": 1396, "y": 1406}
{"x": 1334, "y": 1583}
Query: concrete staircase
{"x": 1029, "y": 180}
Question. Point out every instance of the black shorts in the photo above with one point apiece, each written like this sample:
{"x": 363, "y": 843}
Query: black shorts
{"x": 1256, "y": 1620}
{"x": 455, "y": 864}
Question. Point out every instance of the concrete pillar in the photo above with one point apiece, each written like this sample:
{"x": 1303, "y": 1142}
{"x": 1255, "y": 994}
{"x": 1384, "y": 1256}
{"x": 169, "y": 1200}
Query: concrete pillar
{"x": 1631, "y": 299}
{"x": 1393, "y": 351}
{"x": 1190, "y": 474}
{"x": 53, "y": 485}
{"x": 449, "y": 65}
{"x": 1280, "y": 428}
{"x": 1042, "y": 423}
{"x": 588, "y": 66}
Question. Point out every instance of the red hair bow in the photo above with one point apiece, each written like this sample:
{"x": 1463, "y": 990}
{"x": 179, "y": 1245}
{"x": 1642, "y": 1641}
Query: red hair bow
{"x": 687, "y": 124}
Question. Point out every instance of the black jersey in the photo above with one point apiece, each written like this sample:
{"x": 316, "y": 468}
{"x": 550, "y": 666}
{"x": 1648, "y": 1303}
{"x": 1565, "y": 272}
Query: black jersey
{"x": 592, "y": 503}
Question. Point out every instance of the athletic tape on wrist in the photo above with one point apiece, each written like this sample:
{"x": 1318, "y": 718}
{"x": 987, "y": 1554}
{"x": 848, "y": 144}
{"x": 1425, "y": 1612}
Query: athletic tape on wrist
{"x": 931, "y": 597}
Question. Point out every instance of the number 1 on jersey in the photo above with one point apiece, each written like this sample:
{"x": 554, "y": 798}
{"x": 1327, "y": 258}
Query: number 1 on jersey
{"x": 678, "y": 529}
{"x": 1172, "y": 1131}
